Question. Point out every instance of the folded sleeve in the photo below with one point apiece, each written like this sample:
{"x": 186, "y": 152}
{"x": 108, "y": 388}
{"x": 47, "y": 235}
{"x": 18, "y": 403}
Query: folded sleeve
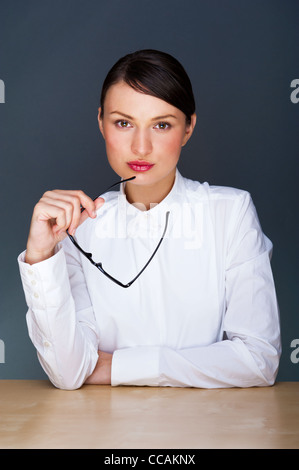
{"x": 63, "y": 331}
{"x": 250, "y": 350}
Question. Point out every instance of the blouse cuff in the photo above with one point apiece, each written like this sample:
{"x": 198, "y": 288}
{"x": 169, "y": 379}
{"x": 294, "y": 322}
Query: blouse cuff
{"x": 46, "y": 283}
{"x": 136, "y": 366}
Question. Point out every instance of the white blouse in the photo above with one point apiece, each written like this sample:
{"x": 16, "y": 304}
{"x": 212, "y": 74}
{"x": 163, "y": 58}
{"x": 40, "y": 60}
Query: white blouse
{"x": 203, "y": 313}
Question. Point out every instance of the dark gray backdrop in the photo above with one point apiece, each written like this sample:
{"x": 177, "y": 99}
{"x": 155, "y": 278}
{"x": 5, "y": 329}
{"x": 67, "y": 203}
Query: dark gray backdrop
{"x": 241, "y": 56}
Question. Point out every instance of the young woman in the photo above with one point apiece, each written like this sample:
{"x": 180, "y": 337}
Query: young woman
{"x": 201, "y": 310}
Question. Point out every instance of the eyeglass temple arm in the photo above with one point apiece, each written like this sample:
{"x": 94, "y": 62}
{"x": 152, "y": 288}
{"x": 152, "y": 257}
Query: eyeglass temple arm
{"x": 83, "y": 209}
{"x": 157, "y": 247}
{"x": 99, "y": 265}
{"x": 89, "y": 255}
{"x": 112, "y": 186}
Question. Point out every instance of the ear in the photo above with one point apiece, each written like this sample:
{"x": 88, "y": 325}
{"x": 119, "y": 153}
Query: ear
{"x": 189, "y": 129}
{"x": 100, "y": 121}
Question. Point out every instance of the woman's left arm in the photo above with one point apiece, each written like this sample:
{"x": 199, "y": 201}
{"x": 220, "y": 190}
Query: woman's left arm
{"x": 250, "y": 352}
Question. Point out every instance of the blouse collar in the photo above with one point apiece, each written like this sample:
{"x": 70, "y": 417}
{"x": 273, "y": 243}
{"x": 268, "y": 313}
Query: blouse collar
{"x": 172, "y": 196}
{"x": 155, "y": 217}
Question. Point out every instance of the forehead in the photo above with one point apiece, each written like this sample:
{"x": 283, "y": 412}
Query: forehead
{"x": 123, "y": 98}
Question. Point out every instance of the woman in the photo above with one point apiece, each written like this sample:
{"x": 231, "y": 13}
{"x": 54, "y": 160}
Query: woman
{"x": 202, "y": 309}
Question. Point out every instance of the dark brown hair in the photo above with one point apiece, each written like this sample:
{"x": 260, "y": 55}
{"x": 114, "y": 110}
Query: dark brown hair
{"x": 154, "y": 73}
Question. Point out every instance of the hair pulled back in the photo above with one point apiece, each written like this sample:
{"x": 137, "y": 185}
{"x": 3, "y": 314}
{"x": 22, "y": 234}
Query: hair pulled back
{"x": 154, "y": 73}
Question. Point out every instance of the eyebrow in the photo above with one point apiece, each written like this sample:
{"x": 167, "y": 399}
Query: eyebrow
{"x": 166, "y": 116}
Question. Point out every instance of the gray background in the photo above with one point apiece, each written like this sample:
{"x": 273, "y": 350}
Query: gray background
{"x": 241, "y": 57}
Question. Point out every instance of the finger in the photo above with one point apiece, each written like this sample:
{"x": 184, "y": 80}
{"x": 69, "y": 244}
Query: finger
{"x": 71, "y": 201}
{"x": 47, "y": 212}
{"x": 99, "y": 201}
{"x": 63, "y": 221}
{"x": 76, "y": 213}
{"x": 98, "y": 204}
{"x": 85, "y": 201}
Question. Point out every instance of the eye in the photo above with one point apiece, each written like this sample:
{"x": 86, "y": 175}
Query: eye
{"x": 122, "y": 123}
{"x": 163, "y": 126}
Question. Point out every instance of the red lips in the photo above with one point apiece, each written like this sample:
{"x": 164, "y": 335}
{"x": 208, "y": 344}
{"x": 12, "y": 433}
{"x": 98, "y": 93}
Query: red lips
{"x": 140, "y": 165}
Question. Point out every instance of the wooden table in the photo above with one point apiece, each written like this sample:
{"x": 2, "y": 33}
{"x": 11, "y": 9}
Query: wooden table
{"x": 35, "y": 415}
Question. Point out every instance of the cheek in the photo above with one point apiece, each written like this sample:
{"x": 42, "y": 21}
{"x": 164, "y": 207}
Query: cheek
{"x": 170, "y": 145}
{"x": 114, "y": 142}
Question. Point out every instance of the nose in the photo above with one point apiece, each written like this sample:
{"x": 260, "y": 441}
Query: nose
{"x": 141, "y": 143}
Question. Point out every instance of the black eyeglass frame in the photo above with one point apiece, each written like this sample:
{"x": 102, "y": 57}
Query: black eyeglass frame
{"x": 99, "y": 265}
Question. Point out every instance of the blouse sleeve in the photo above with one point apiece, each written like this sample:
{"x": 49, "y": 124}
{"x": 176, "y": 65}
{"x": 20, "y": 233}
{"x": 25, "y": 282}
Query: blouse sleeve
{"x": 64, "y": 332}
{"x": 249, "y": 353}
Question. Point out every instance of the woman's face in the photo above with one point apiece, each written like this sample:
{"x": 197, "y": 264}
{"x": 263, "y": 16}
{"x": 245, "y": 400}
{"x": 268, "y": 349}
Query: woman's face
{"x": 143, "y": 135}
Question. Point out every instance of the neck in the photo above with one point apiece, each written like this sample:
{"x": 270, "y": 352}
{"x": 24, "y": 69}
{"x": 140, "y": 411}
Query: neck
{"x": 147, "y": 195}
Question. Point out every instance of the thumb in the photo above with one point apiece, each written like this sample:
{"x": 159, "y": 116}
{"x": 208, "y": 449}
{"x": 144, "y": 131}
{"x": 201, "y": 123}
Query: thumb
{"x": 99, "y": 202}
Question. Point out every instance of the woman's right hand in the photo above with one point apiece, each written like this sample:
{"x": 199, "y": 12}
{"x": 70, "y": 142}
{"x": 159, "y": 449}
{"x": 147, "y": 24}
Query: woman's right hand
{"x": 54, "y": 213}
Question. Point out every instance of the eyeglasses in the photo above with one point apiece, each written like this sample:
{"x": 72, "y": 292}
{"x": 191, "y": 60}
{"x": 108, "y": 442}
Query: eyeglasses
{"x": 99, "y": 265}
